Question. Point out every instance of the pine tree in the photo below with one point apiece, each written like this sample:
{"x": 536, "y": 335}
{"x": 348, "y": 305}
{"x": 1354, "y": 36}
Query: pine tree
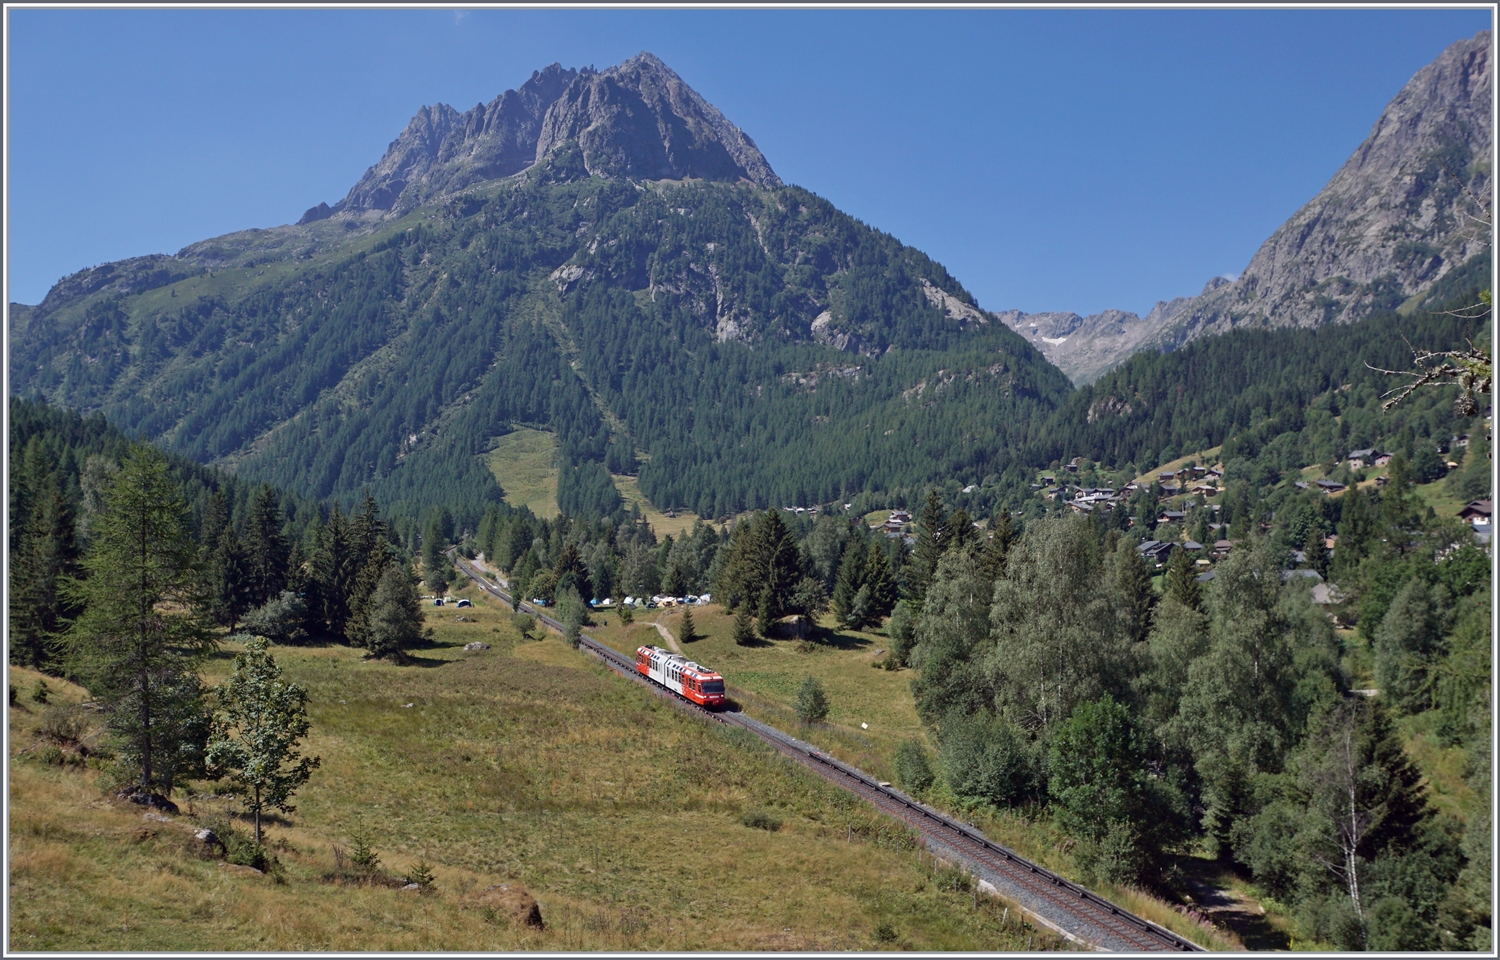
{"x": 851, "y": 577}
{"x": 394, "y": 617}
{"x": 962, "y": 534}
{"x": 265, "y": 547}
{"x": 882, "y": 585}
{"x": 571, "y": 571}
{"x": 1358, "y": 533}
{"x": 230, "y": 583}
{"x": 812, "y": 701}
{"x": 1181, "y": 581}
{"x": 138, "y": 640}
{"x": 1002, "y": 535}
{"x": 370, "y": 551}
{"x": 744, "y": 627}
{"x": 1316, "y": 550}
{"x": 1133, "y": 587}
{"x": 254, "y": 742}
{"x": 932, "y": 540}
{"x": 333, "y": 570}
{"x": 688, "y": 632}
{"x": 43, "y": 557}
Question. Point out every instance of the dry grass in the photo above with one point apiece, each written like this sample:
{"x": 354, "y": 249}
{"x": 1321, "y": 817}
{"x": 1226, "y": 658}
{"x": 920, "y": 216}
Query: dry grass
{"x": 676, "y": 525}
{"x": 763, "y": 679}
{"x": 524, "y": 762}
{"x": 524, "y": 463}
{"x": 1203, "y": 458}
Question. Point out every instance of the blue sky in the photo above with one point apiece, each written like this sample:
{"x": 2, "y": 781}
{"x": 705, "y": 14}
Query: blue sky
{"x": 1052, "y": 160}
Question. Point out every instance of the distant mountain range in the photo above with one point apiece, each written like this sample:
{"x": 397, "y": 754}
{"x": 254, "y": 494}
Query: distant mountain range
{"x": 602, "y": 254}
{"x": 1405, "y": 211}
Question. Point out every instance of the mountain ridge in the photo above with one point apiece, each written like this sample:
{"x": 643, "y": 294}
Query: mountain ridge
{"x": 1396, "y": 218}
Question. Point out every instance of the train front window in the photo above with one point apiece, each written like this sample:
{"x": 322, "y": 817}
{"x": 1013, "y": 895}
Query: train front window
{"x": 713, "y": 686}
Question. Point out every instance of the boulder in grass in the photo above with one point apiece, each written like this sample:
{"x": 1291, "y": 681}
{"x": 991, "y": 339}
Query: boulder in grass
{"x": 476, "y": 645}
{"x": 512, "y": 901}
{"x": 153, "y": 800}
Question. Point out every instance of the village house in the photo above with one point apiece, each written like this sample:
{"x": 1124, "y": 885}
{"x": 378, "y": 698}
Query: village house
{"x": 1329, "y": 486}
{"x": 1475, "y": 512}
{"x": 1222, "y": 547}
{"x": 1359, "y": 459}
{"x": 1156, "y": 551}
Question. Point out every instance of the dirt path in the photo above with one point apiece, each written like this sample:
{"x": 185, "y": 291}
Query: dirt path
{"x": 1216, "y": 897}
{"x": 667, "y": 636}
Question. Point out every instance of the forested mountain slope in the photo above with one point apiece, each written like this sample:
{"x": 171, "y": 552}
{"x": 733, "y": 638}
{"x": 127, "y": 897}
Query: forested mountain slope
{"x": 739, "y": 342}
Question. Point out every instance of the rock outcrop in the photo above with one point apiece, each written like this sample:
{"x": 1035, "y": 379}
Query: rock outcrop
{"x": 640, "y": 121}
{"x": 1398, "y": 216}
{"x": 636, "y": 121}
{"x": 442, "y": 150}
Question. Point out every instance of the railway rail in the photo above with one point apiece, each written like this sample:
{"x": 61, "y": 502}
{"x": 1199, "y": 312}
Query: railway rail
{"x": 1073, "y": 911}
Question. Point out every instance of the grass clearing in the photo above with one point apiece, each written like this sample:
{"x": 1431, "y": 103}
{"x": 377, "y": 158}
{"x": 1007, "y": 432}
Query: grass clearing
{"x": 526, "y": 762}
{"x": 676, "y": 525}
{"x": 524, "y": 463}
{"x": 1204, "y": 458}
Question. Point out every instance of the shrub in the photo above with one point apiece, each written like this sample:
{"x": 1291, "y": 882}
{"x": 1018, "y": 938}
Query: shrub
{"x": 627, "y": 615}
{"x": 40, "y": 693}
{"x": 885, "y": 933}
{"x": 420, "y": 873}
{"x": 279, "y": 619}
{"x": 524, "y": 624}
{"x": 761, "y": 820}
{"x": 812, "y": 701}
{"x": 361, "y": 855}
{"x": 912, "y": 769}
{"x": 64, "y": 723}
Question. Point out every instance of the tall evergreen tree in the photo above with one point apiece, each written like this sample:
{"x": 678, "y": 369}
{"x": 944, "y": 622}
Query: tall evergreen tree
{"x": 851, "y": 577}
{"x": 333, "y": 568}
{"x": 44, "y": 555}
{"x": 370, "y": 551}
{"x": 138, "y": 640}
{"x": 1181, "y": 580}
{"x": 1132, "y": 584}
{"x": 932, "y": 540}
{"x": 394, "y": 618}
{"x": 230, "y": 584}
{"x": 265, "y": 547}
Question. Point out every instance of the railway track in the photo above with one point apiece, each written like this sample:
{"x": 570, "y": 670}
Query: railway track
{"x": 1060, "y": 905}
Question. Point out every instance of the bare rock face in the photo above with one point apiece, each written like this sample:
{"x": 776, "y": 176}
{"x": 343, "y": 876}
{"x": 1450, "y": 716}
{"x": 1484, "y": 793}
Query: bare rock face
{"x": 443, "y": 150}
{"x": 637, "y": 121}
{"x": 640, "y": 121}
{"x": 1396, "y": 218}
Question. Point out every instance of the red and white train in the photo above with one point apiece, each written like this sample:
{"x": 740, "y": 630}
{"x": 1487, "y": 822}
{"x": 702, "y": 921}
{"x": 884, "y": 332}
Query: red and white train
{"x": 681, "y": 675}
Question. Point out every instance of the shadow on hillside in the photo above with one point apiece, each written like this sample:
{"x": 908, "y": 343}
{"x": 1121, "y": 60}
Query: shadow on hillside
{"x": 824, "y": 637}
{"x": 1210, "y": 886}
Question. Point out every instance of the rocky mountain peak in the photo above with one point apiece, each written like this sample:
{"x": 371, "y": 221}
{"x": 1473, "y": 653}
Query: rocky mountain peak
{"x": 1398, "y": 216}
{"x": 636, "y": 120}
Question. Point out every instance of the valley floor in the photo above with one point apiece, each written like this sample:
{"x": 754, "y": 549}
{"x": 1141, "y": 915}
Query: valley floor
{"x": 524, "y": 763}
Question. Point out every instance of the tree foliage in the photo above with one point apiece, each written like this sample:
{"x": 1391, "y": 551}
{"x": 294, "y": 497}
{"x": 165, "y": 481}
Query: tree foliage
{"x": 256, "y": 735}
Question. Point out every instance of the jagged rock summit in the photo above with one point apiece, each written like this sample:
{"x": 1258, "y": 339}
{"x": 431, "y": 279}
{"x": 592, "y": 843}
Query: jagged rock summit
{"x": 1400, "y": 215}
{"x": 637, "y": 120}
